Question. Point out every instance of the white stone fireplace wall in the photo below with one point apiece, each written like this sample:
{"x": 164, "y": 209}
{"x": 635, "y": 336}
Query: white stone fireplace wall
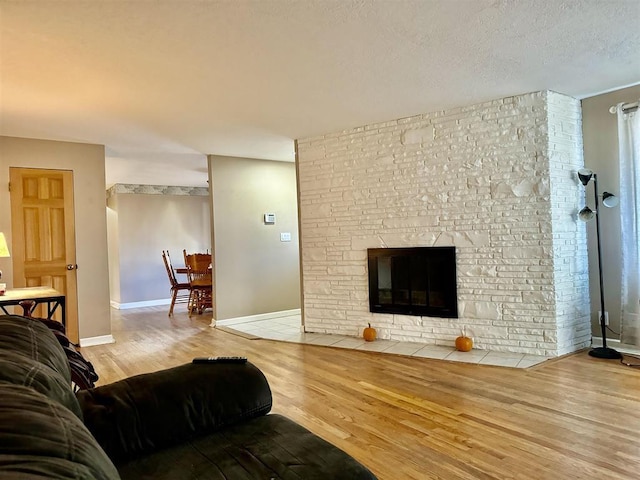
{"x": 495, "y": 180}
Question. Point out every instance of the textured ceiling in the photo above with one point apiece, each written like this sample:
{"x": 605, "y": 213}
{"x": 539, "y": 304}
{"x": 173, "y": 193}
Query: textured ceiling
{"x": 169, "y": 81}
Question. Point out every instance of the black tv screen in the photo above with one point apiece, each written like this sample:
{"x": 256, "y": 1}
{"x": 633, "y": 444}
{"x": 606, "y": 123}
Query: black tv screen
{"x": 413, "y": 281}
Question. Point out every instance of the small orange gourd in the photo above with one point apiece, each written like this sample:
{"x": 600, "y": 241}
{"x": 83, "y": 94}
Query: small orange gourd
{"x": 369, "y": 333}
{"x": 464, "y": 343}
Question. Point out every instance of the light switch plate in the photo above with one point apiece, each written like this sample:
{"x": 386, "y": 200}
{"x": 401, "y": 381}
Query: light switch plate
{"x": 285, "y": 237}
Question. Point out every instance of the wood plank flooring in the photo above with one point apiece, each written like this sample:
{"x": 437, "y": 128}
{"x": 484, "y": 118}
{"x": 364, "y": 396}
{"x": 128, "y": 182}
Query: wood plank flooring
{"x": 575, "y": 417}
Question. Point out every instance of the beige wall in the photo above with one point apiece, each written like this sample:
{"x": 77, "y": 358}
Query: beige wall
{"x": 140, "y": 227}
{"x": 254, "y": 271}
{"x": 87, "y": 163}
{"x": 600, "y": 131}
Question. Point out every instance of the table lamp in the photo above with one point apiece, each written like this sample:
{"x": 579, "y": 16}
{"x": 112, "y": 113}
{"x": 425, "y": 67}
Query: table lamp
{"x": 4, "y": 249}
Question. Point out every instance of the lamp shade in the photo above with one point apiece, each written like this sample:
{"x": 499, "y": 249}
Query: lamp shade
{"x": 4, "y": 248}
{"x": 584, "y": 174}
{"x": 609, "y": 200}
{"x": 586, "y": 214}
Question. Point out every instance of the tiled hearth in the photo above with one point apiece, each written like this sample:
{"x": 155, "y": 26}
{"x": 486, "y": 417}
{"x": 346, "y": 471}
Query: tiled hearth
{"x": 287, "y": 329}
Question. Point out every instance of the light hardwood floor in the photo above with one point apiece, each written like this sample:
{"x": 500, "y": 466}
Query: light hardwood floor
{"x": 410, "y": 418}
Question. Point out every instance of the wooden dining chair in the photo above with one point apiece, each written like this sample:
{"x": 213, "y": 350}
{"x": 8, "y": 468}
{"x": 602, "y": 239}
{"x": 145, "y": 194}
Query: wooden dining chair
{"x": 178, "y": 289}
{"x": 200, "y": 280}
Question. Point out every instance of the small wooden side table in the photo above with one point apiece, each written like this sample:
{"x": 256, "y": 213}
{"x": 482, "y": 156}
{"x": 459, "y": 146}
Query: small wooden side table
{"x": 30, "y": 297}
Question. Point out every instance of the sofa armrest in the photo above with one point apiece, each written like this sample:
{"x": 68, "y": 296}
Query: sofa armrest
{"x": 146, "y": 412}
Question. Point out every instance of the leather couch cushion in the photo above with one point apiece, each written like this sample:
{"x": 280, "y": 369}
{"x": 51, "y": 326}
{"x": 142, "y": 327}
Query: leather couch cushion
{"x": 143, "y": 413}
{"x": 40, "y": 438}
{"x": 33, "y": 339}
{"x": 269, "y": 447}
{"x": 18, "y": 369}
{"x": 32, "y": 356}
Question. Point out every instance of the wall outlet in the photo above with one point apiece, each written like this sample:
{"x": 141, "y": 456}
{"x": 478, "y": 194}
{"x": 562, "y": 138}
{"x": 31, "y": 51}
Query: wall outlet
{"x": 606, "y": 317}
{"x": 285, "y": 236}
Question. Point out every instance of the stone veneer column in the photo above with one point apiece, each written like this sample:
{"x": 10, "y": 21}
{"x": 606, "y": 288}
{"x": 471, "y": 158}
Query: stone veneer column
{"x": 571, "y": 269}
{"x": 494, "y": 180}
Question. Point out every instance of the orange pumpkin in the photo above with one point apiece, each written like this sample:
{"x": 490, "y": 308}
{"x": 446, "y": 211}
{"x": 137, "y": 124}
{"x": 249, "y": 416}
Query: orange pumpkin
{"x": 464, "y": 343}
{"x": 369, "y": 333}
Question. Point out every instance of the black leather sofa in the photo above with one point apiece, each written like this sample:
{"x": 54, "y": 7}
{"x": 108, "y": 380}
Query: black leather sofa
{"x": 195, "y": 421}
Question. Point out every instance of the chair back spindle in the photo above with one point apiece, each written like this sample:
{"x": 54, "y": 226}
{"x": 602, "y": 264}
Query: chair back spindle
{"x": 177, "y": 288}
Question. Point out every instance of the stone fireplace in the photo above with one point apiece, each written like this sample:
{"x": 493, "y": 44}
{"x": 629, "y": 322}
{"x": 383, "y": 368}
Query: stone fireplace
{"x": 495, "y": 180}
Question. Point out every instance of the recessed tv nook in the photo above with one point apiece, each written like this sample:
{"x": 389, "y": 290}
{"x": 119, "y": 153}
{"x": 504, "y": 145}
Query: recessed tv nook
{"x": 413, "y": 281}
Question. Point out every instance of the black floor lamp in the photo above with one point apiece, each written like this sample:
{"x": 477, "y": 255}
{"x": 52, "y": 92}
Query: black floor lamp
{"x": 608, "y": 200}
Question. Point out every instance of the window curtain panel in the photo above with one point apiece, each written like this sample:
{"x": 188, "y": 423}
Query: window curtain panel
{"x": 629, "y": 149}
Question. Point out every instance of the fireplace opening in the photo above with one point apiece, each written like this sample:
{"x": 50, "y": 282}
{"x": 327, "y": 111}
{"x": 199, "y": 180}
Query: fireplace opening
{"x": 413, "y": 281}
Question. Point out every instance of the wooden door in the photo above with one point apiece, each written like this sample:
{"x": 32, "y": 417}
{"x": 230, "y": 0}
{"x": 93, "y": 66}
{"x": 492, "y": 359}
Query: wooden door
{"x": 43, "y": 236}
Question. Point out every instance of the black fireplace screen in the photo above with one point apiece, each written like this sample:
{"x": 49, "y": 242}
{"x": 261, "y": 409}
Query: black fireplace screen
{"x": 413, "y": 281}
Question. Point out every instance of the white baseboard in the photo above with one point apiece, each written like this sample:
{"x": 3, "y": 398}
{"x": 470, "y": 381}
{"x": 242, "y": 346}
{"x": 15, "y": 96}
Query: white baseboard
{"x": 93, "y": 341}
{"x": 260, "y": 316}
{"x": 148, "y": 303}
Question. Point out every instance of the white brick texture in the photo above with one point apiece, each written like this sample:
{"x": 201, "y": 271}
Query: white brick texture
{"x": 495, "y": 180}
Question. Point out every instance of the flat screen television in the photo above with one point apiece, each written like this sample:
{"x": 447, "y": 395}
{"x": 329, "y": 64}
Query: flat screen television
{"x": 413, "y": 281}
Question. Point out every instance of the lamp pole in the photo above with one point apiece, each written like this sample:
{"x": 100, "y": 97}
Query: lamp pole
{"x": 604, "y": 351}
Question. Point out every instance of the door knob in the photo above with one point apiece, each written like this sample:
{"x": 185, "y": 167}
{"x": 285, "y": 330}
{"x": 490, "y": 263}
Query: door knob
{"x": 72, "y": 267}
